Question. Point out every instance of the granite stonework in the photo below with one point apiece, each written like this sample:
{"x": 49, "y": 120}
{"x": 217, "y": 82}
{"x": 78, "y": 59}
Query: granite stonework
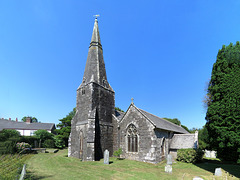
{"x": 97, "y": 126}
{"x": 92, "y": 127}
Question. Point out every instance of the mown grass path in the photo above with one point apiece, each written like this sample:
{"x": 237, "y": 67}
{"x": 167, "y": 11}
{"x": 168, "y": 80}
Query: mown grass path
{"x": 58, "y": 167}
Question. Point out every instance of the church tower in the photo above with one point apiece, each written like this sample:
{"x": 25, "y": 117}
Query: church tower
{"x": 91, "y": 127}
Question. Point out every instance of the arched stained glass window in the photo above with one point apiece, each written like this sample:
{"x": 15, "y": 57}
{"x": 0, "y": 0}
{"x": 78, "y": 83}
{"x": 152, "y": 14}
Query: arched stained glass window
{"x": 132, "y": 138}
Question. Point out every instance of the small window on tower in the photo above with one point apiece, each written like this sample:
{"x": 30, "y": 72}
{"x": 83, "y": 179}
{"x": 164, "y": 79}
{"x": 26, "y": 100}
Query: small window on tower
{"x": 83, "y": 91}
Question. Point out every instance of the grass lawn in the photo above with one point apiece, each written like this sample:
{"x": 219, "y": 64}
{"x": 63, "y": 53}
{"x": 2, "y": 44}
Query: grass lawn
{"x": 11, "y": 165}
{"x": 58, "y": 166}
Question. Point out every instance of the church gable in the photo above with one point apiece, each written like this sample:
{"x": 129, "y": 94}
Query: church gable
{"x": 137, "y": 136}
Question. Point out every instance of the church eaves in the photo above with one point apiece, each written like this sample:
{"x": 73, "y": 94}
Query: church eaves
{"x": 95, "y": 71}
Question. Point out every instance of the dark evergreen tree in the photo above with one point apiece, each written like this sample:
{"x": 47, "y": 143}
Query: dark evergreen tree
{"x": 65, "y": 127}
{"x": 223, "y": 113}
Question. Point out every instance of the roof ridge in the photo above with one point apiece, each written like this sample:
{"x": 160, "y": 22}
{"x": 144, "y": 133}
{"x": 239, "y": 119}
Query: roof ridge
{"x": 162, "y": 119}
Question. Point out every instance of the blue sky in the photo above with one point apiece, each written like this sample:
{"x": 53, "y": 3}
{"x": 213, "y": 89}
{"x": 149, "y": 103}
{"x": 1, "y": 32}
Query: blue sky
{"x": 158, "y": 52}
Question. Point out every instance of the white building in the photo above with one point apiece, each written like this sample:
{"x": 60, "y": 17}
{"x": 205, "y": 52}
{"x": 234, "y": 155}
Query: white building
{"x": 26, "y": 128}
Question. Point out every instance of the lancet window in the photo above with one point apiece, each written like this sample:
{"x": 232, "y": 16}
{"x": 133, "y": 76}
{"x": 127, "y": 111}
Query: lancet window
{"x": 132, "y": 138}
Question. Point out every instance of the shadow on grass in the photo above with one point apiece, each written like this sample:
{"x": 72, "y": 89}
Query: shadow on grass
{"x": 210, "y": 165}
{"x": 32, "y": 176}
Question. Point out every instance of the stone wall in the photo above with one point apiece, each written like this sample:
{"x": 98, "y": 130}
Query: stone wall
{"x": 147, "y": 139}
{"x": 95, "y": 106}
{"x": 184, "y": 141}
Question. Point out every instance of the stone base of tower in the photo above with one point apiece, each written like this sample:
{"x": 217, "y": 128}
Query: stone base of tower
{"x": 88, "y": 140}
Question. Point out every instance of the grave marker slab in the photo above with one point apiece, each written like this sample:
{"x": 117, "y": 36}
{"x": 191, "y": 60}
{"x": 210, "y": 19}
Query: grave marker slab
{"x": 169, "y": 159}
{"x": 218, "y": 172}
{"x": 106, "y": 157}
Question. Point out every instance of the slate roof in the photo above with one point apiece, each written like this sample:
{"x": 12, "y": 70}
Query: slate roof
{"x": 119, "y": 114}
{"x": 163, "y": 124}
{"x": 6, "y": 124}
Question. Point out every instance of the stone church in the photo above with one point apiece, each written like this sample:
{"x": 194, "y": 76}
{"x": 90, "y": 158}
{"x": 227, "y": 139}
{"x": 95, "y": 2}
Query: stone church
{"x": 97, "y": 126}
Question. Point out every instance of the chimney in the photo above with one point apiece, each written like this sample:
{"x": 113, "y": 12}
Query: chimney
{"x": 28, "y": 120}
{"x": 16, "y": 119}
{"x": 9, "y": 119}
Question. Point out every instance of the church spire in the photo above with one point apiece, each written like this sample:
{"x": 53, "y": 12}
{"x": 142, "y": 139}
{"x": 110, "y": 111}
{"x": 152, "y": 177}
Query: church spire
{"x": 95, "y": 67}
{"x": 95, "y": 41}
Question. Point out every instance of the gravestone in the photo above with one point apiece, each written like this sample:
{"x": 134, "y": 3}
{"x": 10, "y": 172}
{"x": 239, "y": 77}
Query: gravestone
{"x": 169, "y": 159}
{"x": 197, "y": 178}
{"x": 106, "y": 157}
{"x": 218, "y": 172}
{"x": 168, "y": 167}
{"x": 213, "y": 154}
{"x": 207, "y": 154}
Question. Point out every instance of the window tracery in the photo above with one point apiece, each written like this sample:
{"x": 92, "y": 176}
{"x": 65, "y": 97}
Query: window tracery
{"x": 132, "y": 138}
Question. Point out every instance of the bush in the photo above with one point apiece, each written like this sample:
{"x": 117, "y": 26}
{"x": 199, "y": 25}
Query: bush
{"x": 8, "y": 133}
{"x": 42, "y": 135}
{"x": 31, "y": 140}
{"x": 21, "y": 146}
{"x": 59, "y": 141}
{"x": 117, "y": 153}
{"x": 190, "y": 155}
{"x": 9, "y": 146}
{"x": 49, "y": 143}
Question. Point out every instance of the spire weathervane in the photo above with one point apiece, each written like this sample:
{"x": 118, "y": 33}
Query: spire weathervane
{"x": 96, "y": 16}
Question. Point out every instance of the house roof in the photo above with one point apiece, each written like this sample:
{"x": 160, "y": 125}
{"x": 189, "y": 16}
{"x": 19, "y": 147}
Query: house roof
{"x": 6, "y": 124}
{"x": 162, "y": 123}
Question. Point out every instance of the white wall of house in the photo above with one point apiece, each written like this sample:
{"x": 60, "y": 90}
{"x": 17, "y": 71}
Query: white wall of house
{"x": 26, "y": 132}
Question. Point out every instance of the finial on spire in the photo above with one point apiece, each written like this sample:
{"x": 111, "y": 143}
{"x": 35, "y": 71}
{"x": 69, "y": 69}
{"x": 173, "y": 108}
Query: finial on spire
{"x": 132, "y": 100}
{"x": 96, "y": 16}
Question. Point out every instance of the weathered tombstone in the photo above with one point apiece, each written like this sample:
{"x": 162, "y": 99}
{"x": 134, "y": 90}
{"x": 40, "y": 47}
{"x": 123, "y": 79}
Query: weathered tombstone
{"x": 169, "y": 159}
{"x": 197, "y": 178}
{"x": 207, "y": 154}
{"x": 218, "y": 172}
{"x": 106, "y": 157}
{"x": 168, "y": 168}
{"x": 213, "y": 154}
{"x": 23, "y": 173}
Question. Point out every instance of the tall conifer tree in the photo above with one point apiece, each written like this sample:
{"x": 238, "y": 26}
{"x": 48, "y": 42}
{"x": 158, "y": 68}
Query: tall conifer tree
{"x": 223, "y": 113}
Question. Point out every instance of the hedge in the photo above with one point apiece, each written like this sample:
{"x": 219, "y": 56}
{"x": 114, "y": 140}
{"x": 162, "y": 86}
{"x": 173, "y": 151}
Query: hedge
{"x": 190, "y": 155}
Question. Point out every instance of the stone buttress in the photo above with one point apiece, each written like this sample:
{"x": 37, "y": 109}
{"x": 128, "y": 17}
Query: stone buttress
{"x": 91, "y": 127}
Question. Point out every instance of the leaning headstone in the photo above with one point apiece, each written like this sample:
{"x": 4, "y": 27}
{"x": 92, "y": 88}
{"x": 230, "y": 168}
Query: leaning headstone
{"x": 106, "y": 157}
{"x": 218, "y": 172}
{"x": 23, "y": 173}
{"x": 169, "y": 159}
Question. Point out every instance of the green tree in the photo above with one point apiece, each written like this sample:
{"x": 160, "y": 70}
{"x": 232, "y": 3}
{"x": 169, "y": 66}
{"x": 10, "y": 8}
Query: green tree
{"x": 42, "y": 135}
{"x": 119, "y": 109}
{"x": 203, "y": 138}
{"x": 33, "y": 119}
{"x": 223, "y": 113}
{"x": 174, "y": 120}
{"x": 65, "y": 127}
{"x": 177, "y": 122}
{"x": 8, "y": 133}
